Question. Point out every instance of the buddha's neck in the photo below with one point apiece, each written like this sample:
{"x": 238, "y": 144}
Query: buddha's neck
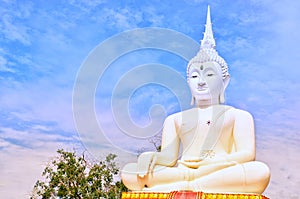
{"x": 207, "y": 103}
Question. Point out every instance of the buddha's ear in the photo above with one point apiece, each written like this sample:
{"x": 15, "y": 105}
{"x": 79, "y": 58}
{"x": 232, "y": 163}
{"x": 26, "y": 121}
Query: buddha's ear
{"x": 192, "y": 101}
{"x": 222, "y": 95}
{"x": 226, "y": 81}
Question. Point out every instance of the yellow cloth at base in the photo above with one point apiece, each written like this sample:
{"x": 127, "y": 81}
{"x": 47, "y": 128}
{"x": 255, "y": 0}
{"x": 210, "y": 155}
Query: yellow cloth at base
{"x": 188, "y": 194}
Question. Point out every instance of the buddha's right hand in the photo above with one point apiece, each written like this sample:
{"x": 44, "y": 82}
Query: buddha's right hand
{"x": 194, "y": 164}
{"x": 146, "y": 163}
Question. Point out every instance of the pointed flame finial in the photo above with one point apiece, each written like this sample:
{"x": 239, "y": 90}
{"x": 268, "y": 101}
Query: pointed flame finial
{"x": 207, "y": 52}
{"x": 208, "y": 40}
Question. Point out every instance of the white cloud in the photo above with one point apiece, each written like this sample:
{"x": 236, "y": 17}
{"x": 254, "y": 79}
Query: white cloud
{"x": 15, "y": 32}
{"x": 34, "y": 138}
{"x": 151, "y": 15}
{"x": 4, "y": 65}
{"x": 86, "y": 5}
{"x": 21, "y": 167}
{"x": 39, "y": 101}
{"x": 123, "y": 18}
{"x": 280, "y": 155}
{"x": 25, "y": 153}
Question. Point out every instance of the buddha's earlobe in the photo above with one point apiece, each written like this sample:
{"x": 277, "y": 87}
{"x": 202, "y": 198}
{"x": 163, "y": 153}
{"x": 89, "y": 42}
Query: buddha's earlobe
{"x": 222, "y": 98}
{"x": 226, "y": 81}
{"x": 222, "y": 94}
{"x": 192, "y": 101}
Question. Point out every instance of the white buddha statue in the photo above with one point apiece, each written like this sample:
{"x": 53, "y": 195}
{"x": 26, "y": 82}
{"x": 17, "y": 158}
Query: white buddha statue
{"x": 209, "y": 148}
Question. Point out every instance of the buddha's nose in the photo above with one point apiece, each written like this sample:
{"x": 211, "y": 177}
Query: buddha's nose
{"x": 201, "y": 82}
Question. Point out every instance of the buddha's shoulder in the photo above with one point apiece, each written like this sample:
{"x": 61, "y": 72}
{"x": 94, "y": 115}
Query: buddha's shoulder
{"x": 239, "y": 113}
{"x": 226, "y": 109}
{"x": 187, "y": 112}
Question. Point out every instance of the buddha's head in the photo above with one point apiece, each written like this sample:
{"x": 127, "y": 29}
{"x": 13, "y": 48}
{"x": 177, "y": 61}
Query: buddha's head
{"x": 208, "y": 80}
{"x": 207, "y": 72}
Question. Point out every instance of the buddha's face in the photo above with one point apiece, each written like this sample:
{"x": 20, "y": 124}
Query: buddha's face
{"x": 206, "y": 82}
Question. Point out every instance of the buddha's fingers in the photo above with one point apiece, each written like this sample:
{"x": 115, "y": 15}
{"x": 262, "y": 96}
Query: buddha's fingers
{"x": 190, "y": 164}
{"x": 193, "y": 160}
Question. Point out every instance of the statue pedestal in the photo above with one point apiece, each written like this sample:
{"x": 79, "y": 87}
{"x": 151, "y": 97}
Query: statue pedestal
{"x": 188, "y": 195}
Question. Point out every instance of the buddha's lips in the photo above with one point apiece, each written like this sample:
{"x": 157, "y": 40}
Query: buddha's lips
{"x": 202, "y": 88}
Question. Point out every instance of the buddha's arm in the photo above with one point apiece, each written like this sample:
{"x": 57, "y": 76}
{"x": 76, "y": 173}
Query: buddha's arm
{"x": 170, "y": 143}
{"x": 169, "y": 150}
{"x": 244, "y": 138}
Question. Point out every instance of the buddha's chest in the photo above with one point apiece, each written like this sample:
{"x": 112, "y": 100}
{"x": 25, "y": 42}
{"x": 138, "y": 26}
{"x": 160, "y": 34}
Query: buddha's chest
{"x": 206, "y": 131}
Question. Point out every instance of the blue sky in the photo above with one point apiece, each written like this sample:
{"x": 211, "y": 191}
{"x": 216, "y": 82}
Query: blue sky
{"x": 44, "y": 46}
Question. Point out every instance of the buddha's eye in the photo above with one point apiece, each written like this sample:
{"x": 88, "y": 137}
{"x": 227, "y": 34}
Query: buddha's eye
{"x": 194, "y": 75}
{"x": 210, "y": 74}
